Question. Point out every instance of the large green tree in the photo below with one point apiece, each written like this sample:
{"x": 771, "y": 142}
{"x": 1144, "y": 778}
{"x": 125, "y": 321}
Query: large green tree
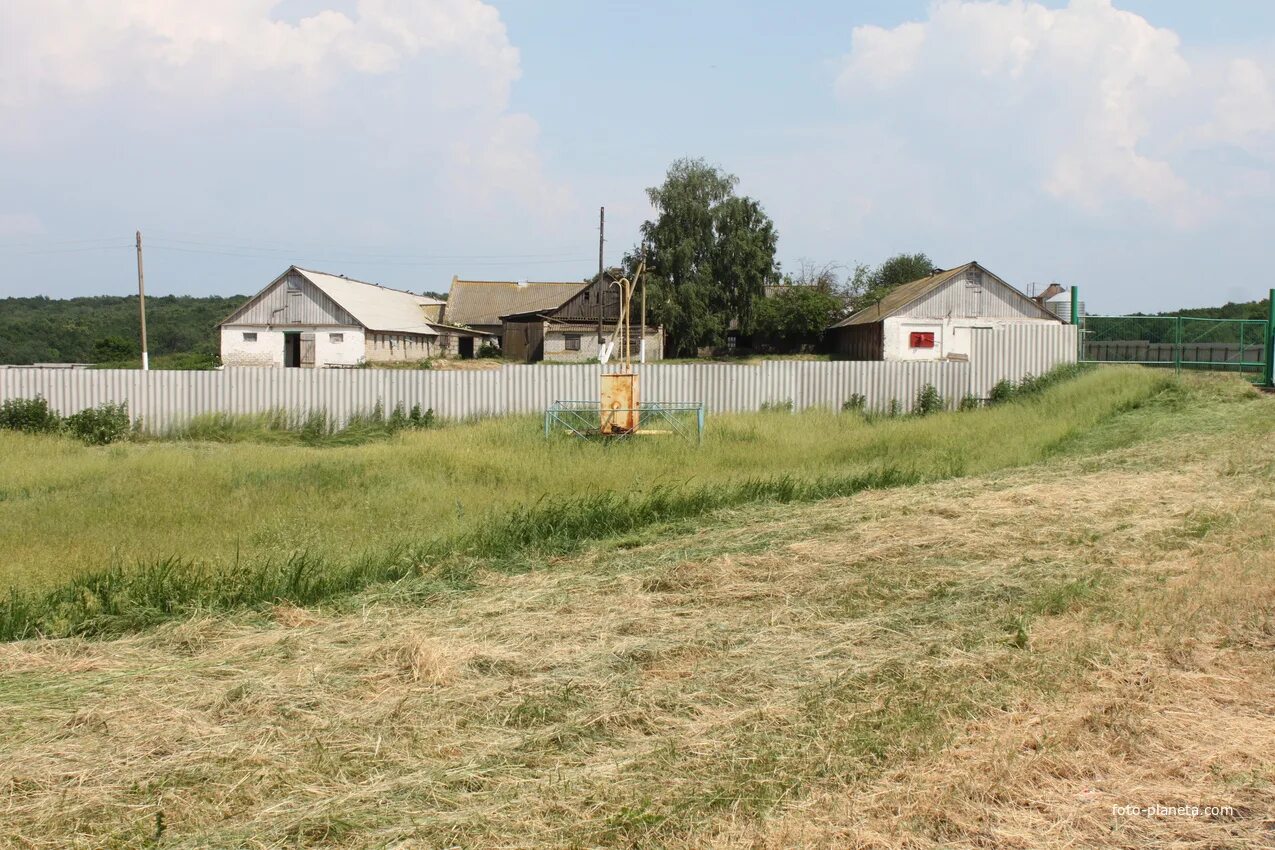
{"x": 711, "y": 254}
{"x": 869, "y": 285}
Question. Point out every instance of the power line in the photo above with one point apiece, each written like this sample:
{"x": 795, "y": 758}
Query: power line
{"x": 372, "y": 261}
{"x": 71, "y": 250}
{"x": 295, "y": 248}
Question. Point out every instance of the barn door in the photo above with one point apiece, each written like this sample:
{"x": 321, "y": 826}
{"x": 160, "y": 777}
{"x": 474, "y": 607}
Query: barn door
{"x": 307, "y": 351}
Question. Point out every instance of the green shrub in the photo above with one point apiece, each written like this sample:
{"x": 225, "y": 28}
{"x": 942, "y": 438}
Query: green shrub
{"x": 489, "y": 349}
{"x": 969, "y": 402}
{"x": 856, "y": 403}
{"x": 418, "y": 420}
{"x": 896, "y": 409}
{"x": 784, "y": 406}
{"x": 97, "y": 426}
{"x": 928, "y": 401}
{"x": 29, "y": 415}
{"x": 1002, "y": 392}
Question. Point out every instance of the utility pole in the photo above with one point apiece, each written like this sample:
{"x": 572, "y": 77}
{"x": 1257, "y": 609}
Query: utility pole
{"x": 642, "y": 329}
{"x": 141, "y": 303}
{"x": 602, "y": 287}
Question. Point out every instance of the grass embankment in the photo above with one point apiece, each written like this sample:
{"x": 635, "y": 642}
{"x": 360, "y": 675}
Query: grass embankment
{"x": 994, "y": 661}
{"x": 100, "y": 541}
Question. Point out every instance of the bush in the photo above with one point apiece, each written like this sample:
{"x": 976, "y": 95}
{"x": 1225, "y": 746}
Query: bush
{"x": 100, "y": 425}
{"x": 1002, "y": 392}
{"x": 489, "y": 349}
{"x": 418, "y": 420}
{"x": 969, "y": 402}
{"x": 1031, "y": 385}
{"x": 856, "y": 403}
{"x": 928, "y": 401}
{"x": 29, "y": 415}
{"x": 784, "y": 406}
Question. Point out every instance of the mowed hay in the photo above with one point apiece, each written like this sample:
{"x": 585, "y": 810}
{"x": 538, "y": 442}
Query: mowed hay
{"x": 990, "y": 662}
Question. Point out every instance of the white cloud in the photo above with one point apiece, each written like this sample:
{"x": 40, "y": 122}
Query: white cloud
{"x": 1101, "y": 104}
{"x": 444, "y": 69}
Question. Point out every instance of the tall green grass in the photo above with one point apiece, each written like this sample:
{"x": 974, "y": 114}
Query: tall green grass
{"x": 104, "y": 540}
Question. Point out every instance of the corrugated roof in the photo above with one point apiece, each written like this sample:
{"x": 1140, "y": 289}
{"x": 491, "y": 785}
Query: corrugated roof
{"x": 377, "y": 307}
{"x": 901, "y": 296}
{"x": 483, "y": 302}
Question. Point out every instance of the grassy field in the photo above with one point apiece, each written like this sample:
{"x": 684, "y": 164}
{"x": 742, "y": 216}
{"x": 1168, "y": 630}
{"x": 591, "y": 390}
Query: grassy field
{"x": 1002, "y": 659}
{"x": 304, "y": 523}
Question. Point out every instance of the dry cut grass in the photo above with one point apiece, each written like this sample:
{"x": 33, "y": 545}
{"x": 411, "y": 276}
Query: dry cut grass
{"x": 987, "y": 662}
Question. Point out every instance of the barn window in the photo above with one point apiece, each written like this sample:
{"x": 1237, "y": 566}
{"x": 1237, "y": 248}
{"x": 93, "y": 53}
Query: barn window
{"x": 921, "y": 339}
{"x": 573, "y": 342}
{"x": 250, "y": 336}
{"x": 336, "y": 337}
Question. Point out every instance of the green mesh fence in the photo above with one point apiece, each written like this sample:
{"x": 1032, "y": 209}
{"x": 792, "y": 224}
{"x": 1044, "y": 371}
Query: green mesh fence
{"x": 1181, "y": 342}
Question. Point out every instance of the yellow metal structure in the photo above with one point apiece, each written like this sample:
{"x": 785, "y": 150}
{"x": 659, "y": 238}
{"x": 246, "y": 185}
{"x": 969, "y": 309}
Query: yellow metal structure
{"x": 618, "y": 390}
{"x": 619, "y": 397}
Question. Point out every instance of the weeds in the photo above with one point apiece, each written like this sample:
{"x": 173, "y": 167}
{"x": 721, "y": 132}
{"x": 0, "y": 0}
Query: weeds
{"x": 316, "y": 428}
{"x": 30, "y": 416}
{"x": 928, "y": 401}
{"x": 95, "y": 426}
{"x": 98, "y": 541}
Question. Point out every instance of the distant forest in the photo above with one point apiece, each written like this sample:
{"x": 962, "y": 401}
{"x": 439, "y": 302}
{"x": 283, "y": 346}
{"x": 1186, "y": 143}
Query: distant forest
{"x": 1229, "y": 310}
{"x": 180, "y": 330}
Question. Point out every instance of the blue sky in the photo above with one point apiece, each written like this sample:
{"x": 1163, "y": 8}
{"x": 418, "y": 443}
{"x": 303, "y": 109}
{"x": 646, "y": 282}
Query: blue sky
{"x": 1126, "y": 146}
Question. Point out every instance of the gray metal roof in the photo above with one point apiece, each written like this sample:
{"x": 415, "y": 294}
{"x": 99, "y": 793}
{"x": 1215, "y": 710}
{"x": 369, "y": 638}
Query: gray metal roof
{"x": 376, "y": 307}
{"x": 901, "y": 296}
{"x": 483, "y": 302}
{"x": 907, "y": 294}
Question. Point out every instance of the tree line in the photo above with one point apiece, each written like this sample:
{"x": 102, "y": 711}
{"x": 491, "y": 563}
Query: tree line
{"x": 181, "y": 330}
{"x": 712, "y": 272}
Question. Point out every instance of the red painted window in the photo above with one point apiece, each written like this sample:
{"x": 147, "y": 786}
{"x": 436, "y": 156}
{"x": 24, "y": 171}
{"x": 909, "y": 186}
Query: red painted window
{"x": 921, "y": 339}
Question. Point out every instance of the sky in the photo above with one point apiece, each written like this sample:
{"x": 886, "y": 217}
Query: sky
{"x": 1123, "y": 146}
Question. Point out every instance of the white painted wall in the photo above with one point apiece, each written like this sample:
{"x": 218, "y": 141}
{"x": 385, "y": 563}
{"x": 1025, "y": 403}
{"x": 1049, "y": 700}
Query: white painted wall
{"x": 952, "y": 336}
{"x": 348, "y": 352}
{"x": 267, "y": 350}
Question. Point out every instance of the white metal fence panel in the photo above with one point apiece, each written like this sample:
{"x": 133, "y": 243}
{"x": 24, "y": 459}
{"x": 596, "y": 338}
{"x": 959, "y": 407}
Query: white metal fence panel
{"x": 166, "y": 399}
{"x": 1014, "y": 351}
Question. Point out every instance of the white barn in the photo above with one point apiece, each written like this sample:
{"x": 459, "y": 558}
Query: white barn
{"x": 311, "y": 319}
{"x": 934, "y": 318}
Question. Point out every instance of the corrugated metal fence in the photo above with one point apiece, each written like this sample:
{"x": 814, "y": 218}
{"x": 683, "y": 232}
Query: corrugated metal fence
{"x": 1015, "y": 351}
{"x": 164, "y": 399}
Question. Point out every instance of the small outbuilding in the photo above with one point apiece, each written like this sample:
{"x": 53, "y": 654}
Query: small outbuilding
{"x": 479, "y": 304}
{"x": 934, "y": 318}
{"x": 309, "y": 319}
{"x": 568, "y": 331}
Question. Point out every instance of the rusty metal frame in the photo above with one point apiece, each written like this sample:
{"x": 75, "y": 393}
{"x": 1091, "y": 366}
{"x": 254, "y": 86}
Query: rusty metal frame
{"x": 588, "y": 419}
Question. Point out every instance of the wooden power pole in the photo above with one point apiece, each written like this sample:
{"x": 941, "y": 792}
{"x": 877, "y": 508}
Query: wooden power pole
{"x": 141, "y": 303}
{"x": 602, "y": 287}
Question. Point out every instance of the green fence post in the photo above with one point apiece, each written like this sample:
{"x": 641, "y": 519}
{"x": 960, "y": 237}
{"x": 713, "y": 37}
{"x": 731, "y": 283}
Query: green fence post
{"x": 1270, "y": 342}
{"x": 1177, "y": 347}
{"x": 1075, "y": 323}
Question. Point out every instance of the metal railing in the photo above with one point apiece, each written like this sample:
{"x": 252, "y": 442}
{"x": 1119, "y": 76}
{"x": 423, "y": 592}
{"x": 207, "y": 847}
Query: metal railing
{"x": 591, "y": 419}
{"x": 1182, "y": 342}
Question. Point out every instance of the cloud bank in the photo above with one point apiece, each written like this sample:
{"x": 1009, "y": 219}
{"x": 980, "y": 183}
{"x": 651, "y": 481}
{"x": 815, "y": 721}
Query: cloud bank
{"x": 435, "y": 75}
{"x": 1095, "y": 106}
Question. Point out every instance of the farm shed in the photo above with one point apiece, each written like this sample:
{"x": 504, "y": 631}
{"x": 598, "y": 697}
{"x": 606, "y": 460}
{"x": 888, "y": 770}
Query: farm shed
{"x": 479, "y": 304}
{"x": 934, "y": 318}
{"x": 310, "y": 319}
{"x": 568, "y": 331}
